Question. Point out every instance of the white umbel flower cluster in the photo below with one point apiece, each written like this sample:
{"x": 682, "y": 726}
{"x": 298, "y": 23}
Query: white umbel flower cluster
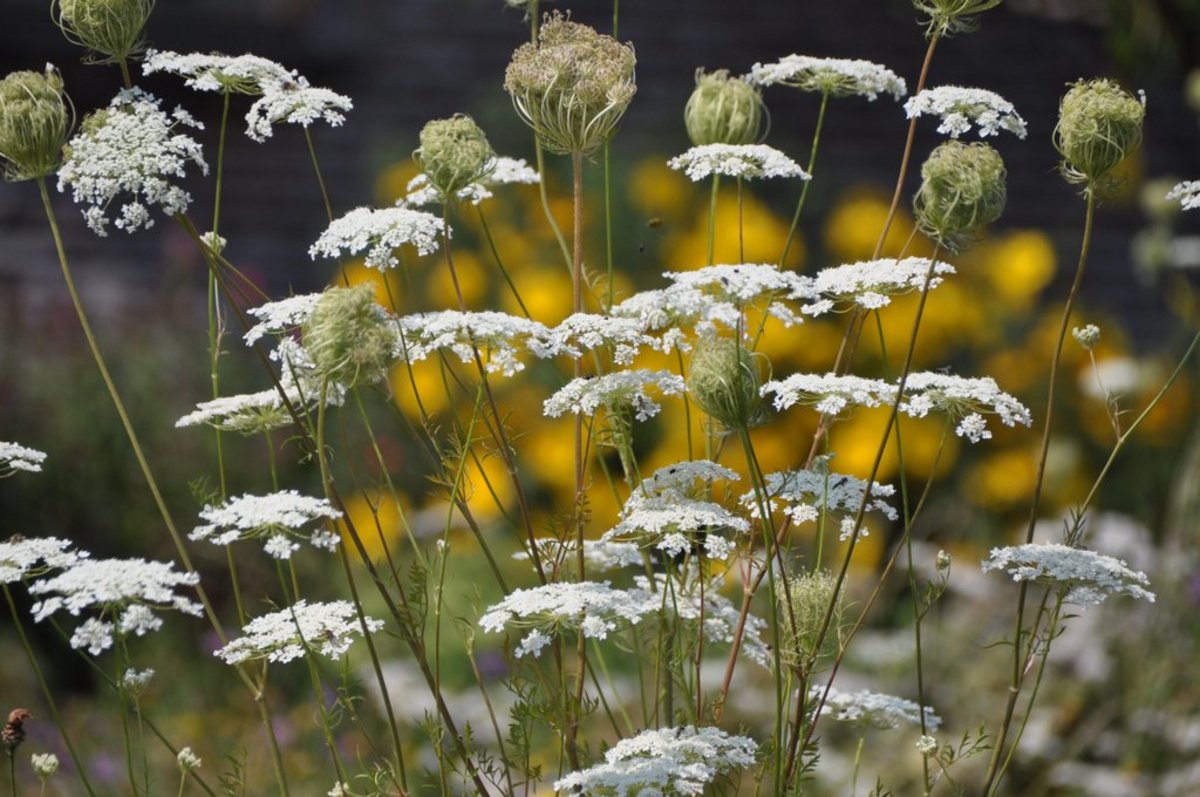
{"x": 497, "y": 336}
{"x": 246, "y": 413}
{"x": 873, "y": 709}
{"x": 837, "y": 77}
{"x": 960, "y": 107}
{"x": 1188, "y": 194}
{"x": 744, "y": 161}
{"x": 275, "y": 518}
{"x": 22, "y": 557}
{"x": 15, "y": 457}
{"x": 378, "y": 232}
{"x": 580, "y": 333}
{"x": 597, "y": 555}
{"x": 295, "y": 103}
{"x": 326, "y": 628}
{"x": 964, "y": 399}
{"x": 594, "y": 608}
{"x": 721, "y": 616}
{"x": 506, "y": 171}
{"x": 1087, "y": 578}
{"x": 130, "y": 151}
{"x": 128, "y": 591}
{"x": 871, "y": 284}
{"x": 664, "y": 762}
{"x": 807, "y": 493}
{"x": 828, "y": 393}
{"x": 616, "y": 391}
{"x": 285, "y": 315}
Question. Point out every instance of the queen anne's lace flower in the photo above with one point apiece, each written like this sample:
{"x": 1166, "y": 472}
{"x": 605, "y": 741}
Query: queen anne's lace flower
{"x": 127, "y": 590}
{"x": 964, "y": 399}
{"x": 276, "y": 517}
{"x": 285, "y": 315}
{"x": 504, "y": 172}
{"x": 593, "y": 608}
{"x": 296, "y": 103}
{"x": 747, "y": 161}
{"x": 22, "y": 557}
{"x": 958, "y": 107}
{"x": 730, "y": 288}
{"x": 807, "y": 493}
{"x": 721, "y": 616}
{"x": 497, "y": 336}
{"x": 873, "y": 709}
{"x": 583, "y": 332}
{"x": 1188, "y": 194}
{"x": 597, "y": 554}
{"x": 830, "y": 393}
{"x": 326, "y": 628}
{"x": 871, "y": 284}
{"x": 838, "y": 77}
{"x": 247, "y": 413}
{"x": 15, "y": 457}
{"x": 666, "y": 762}
{"x": 1085, "y": 577}
{"x": 379, "y": 232}
{"x": 615, "y": 391}
{"x": 131, "y": 149}
{"x": 242, "y": 74}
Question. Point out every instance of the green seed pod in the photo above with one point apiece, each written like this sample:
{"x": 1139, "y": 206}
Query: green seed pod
{"x": 34, "y": 122}
{"x": 723, "y": 110}
{"x": 573, "y": 86}
{"x": 454, "y": 153}
{"x": 724, "y": 381}
{"x": 810, "y": 594}
{"x": 1099, "y": 123}
{"x": 962, "y": 190}
{"x": 947, "y": 17}
{"x": 348, "y": 337}
{"x": 110, "y": 28}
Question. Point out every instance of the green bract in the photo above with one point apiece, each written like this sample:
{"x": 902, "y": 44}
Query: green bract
{"x": 348, "y": 338}
{"x": 34, "y": 122}
{"x": 1099, "y": 123}
{"x": 723, "y": 110}
{"x": 962, "y": 190}
{"x": 724, "y": 381}
{"x": 947, "y": 17}
{"x": 110, "y": 28}
{"x": 454, "y": 153}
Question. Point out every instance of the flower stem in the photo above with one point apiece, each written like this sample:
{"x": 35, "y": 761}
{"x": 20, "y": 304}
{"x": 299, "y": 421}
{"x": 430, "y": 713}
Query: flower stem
{"x": 312, "y": 154}
{"x": 712, "y": 216}
{"x": 812, "y": 160}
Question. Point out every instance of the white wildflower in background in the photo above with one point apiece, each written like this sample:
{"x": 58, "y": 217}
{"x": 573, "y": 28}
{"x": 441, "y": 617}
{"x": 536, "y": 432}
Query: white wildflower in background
{"x": 1087, "y": 336}
{"x": 136, "y": 681}
{"x": 44, "y": 765}
{"x": 129, "y": 591}
{"x": 129, "y": 152}
{"x": 22, "y": 557}
{"x": 594, "y": 608}
{"x": 871, "y": 284}
{"x": 505, "y": 171}
{"x": 1085, "y": 577}
{"x": 188, "y": 760}
{"x": 747, "y": 161}
{"x": 378, "y": 232}
{"x": 614, "y": 391}
{"x": 241, "y": 74}
{"x": 963, "y": 399}
{"x": 276, "y": 517}
{"x": 721, "y": 616}
{"x": 683, "y": 478}
{"x": 497, "y": 336}
{"x": 838, "y": 77}
{"x": 728, "y": 289}
{"x": 580, "y": 333}
{"x": 295, "y": 103}
{"x": 281, "y": 317}
{"x": 959, "y": 107}
{"x": 927, "y": 746}
{"x": 326, "y": 628}
{"x": 597, "y": 554}
{"x": 666, "y": 761}
{"x": 805, "y": 494}
{"x": 828, "y": 393}
{"x": 872, "y": 709}
{"x": 248, "y": 413}
{"x": 1188, "y": 194}
{"x": 15, "y": 457}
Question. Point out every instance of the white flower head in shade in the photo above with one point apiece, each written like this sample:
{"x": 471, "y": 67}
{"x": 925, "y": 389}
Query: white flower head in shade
{"x": 828, "y": 393}
{"x": 247, "y": 413}
{"x": 597, "y": 554}
{"x": 188, "y": 760}
{"x": 15, "y": 457}
{"x": 872, "y": 709}
{"x": 871, "y": 284}
{"x": 275, "y": 518}
{"x": 721, "y": 616}
{"x": 580, "y": 333}
{"x": 505, "y": 171}
{"x": 1188, "y": 194}
{"x": 22, "y": 557}
{"x": 1085, "y": 577}
{"x": 379, "y": 232}
{"x": 746, "y": 161}
{"x": 963, "y": 399}
{"x": 44, "y": 764}
{"x": 663, "y": 513}
{"x": 730, "y": 288}
{"x": 667, "y": 762}
{"x": 498, "y": 337}
{"x": 593, "y": 608}
{"x": 129, "y": 591}
{"x": 805, "y": 494}
{"x": 239, "y": 74}
{"x": 837, "y": 77}
{"x": 295, "y": 103}
{"x": 1087, "y": 336}
{"x": 136, "y": 681}
{"x": 281, "y": 317}
{"x": 614, "y": 392}
{"x": 326, "y": 628}
{"x": 130, "y": 151}
{"x": 959, "y": 107}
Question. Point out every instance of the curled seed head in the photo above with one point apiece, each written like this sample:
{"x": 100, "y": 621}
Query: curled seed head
{"x": 34, "y": 122}
{"x": 112, "y": 29}
{"x": 810, "y": 598}
{"x": 1099, "y": 124}
{"x": 724, "y": 381}
{"x": 348, "y": 337}
{"x": 723, "y": 110}
{"x": 962, "y": 190}
{"x": 454, "y": 153}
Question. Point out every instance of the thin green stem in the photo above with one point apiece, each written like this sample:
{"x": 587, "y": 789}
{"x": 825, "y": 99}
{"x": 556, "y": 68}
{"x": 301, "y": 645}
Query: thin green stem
{"x": 487, "y": 234}
{"x": 577, "y": 305}
{"x": 812, "y": 160}
{"x": 312, "y": 154}
{"x": 126, "y": 78}
{"x": 741, "y": 224}
{"x": 712, "y": 217}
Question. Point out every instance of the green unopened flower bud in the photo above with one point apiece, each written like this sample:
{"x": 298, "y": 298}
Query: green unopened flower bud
{"x": 573, "y": 86}
{"x": 811, "y": 595}
{"x": 1099, "y": 123}
{"x": 723, "y": 110}
{"x": 962, "y": 190}
{"x": 110, "y": 28}
{"x": 348, "y": 337}
{"x": 947, "y": 17}
{"x": 454, "y": 153}
{"x": 34, "y": 121}
{"x": 724, "y": 381}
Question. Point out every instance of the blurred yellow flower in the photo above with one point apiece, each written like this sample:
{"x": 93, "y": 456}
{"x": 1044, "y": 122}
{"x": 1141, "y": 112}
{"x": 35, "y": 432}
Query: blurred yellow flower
{"x": 377, "y": 519}
{"x": 854, "y": 224}
{"x": 1017, "y": 267}
{"x": 429, "y": 386}
{"x": 471, "y": 281}
{"x": 763, "y": 234}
